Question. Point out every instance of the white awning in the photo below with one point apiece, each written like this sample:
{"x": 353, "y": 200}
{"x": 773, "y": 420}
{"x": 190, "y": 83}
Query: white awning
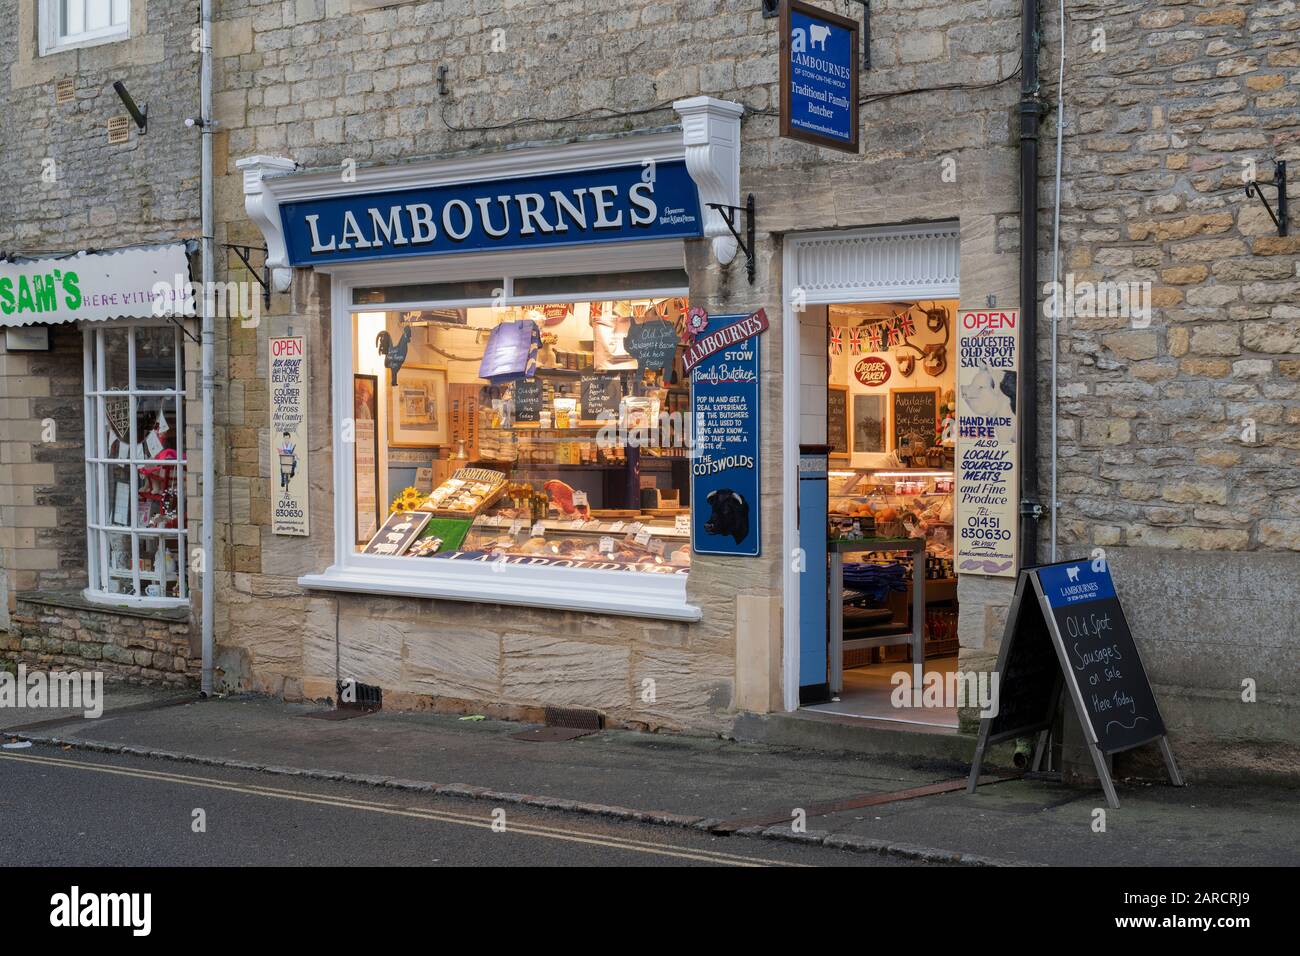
{"x": 93, "y": 286}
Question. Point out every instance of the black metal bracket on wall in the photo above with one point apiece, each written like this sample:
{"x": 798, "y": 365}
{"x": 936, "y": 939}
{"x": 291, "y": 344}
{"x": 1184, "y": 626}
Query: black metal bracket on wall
{"x": 746, "y": 241}
{"x": 1282, "y": 218}
{"x": 772, "y": 9}
{"x": 264, "y": 277}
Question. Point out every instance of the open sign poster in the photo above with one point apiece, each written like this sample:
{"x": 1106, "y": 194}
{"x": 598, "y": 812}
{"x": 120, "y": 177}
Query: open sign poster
{"x": 725, "y": 452}
{"x": 988, "y": 465}
{"x": 286, "y": 369}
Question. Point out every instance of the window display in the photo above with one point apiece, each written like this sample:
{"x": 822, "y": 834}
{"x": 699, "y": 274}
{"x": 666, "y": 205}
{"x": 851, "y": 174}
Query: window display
{"x": 528, "y": 434}
{"x": 135, "y": 462}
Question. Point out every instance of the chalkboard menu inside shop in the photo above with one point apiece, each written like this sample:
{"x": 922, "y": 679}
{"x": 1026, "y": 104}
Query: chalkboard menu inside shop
{"x": 528, "y": 400}
{"x": 914, "y": 413}
{"x": 599, "y": 396}
{"x": 837, "y": 421}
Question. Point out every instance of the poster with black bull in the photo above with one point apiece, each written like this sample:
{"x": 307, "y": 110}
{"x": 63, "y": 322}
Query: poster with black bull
{"x": 724, "y": 379}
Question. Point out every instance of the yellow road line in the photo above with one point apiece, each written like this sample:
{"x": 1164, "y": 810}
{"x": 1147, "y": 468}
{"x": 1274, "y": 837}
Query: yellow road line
{"x": 391, "y": 809}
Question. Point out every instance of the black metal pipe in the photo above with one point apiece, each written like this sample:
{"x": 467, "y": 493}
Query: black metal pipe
{"x": 1031, "y": 112}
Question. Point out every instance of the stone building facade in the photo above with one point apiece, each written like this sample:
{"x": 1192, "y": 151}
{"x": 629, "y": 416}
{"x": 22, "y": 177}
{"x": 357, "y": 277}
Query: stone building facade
{"x": 1163, "y": 107}
{"x": 67, "y": 187}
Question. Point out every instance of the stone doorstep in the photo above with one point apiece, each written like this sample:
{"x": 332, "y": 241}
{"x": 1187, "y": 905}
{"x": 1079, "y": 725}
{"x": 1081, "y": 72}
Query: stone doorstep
{"x": 461, "y": 791}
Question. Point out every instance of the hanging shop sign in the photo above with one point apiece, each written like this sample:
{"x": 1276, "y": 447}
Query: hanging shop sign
{"x": 725, "y": 396}
{"x": 287, "y": 372}
{"x": 819, "y": 77}
{"x": 90, "y": 287}
{"x": 714, "y": 335}
{"x": 643, "y": 201}
{"x": 988, "y": 499}
{"x": 1066, "y": 631}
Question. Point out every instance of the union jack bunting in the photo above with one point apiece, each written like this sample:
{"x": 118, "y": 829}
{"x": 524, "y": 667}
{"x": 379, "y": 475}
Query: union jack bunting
{"x": 909, "y": 325}
{"x": 837, "y": 340}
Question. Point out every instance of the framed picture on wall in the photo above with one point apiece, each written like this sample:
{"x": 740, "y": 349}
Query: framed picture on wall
{"x": 417, "y": 408}
{"x": 869, "y": 424}
{"x": 365, "y": 419}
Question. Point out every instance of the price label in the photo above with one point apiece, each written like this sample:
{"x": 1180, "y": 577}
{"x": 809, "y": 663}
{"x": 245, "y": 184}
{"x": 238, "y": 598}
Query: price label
{"x": 576, "y": 524}
{"x": 580, "y": 499}
{"x": 682, "y": 524}
{"x": 516, "y": 526}
{"x": 634, "y": 527}
{"x": 643, "y": 536}
{"x": 606, "y": 545}
{"x": 539, "y": 529}
{"x": 616, "y": 527}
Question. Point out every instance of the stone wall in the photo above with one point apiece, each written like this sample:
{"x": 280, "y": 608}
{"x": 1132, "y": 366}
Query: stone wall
{"x": 54, "y": 631}
{"x": 64, "y": 188}
{"x": 1179, "y": 444}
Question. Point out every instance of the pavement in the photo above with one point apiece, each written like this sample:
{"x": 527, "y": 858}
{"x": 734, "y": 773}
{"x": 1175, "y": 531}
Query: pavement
{"x": 873, "y": 804}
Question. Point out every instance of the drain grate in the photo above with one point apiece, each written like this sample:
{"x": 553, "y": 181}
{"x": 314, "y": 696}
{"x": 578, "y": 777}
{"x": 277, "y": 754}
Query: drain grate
{"x": 574, "y": 718}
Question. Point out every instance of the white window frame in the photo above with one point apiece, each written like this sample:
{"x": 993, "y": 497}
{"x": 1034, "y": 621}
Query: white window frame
{"x": 54, "y": 40}
{"x": 635, "y": 594}
{"x": 98, "y": 463}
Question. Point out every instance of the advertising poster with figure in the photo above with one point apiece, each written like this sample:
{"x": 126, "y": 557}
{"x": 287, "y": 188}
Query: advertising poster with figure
{"x": 287, "y": 370}
{"x": 724, "y": 379}
{"x": 988, "y": 500}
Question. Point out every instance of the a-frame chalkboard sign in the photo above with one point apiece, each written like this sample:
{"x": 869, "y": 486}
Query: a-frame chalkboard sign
{"x": 1067, "y": 631}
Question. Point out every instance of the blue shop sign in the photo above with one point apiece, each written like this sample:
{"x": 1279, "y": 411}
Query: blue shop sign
{"x": 819, "y": 77}
{"x": 725, "y": 453}
{"x": 615, "y": 204}
{"x": 1066, "y": 584}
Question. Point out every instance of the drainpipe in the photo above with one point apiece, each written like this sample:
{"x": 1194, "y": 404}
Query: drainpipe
{"x": 1031, "y": 112}
{"x": 208, "y": 383}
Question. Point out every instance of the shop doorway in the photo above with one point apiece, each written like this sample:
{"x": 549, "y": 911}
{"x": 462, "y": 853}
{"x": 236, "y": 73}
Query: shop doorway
{"x": 892, "y": 589}
{"x": 871, "y": 348}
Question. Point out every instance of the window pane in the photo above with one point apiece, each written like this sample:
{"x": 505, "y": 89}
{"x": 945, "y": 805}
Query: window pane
{"x": 428, "y": 292}
{"x": 121, "y": 12}
{"x": 74, "y": 17}
{"x": 155, "y": 358}
{"x": 117, "y": 347}
{"x": 118, "y": 577}
{"x": 529, "y": 286}
{"x": 118, "y": 495}
{"x": 98, "y": 14}
{"x": 159, "y": 562}
{"x": 564, "y": 466}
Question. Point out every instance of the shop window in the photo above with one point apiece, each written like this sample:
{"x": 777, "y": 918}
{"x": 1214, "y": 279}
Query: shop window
{"x": 66, "y": 23}
{"x": 135, "y": 463}
{"x": 523, "y": 433}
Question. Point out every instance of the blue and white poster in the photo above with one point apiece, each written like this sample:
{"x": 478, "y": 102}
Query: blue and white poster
{"x": 819, "y": 77}
{"x": 725, "y": 453}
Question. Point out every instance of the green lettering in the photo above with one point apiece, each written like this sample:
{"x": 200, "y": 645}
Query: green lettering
{"x": 25, "y": 303}
{"x": 44, "y": 298}
{"x": 7, "y": 296}
{"x": 71, "y": 290}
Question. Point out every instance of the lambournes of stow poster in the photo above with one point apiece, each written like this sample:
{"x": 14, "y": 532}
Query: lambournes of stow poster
{"x": 988, "y": 366}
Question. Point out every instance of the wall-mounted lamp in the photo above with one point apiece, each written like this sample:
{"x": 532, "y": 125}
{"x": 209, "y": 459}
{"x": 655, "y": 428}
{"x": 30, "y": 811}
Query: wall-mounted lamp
{"x": 141, "y": 116}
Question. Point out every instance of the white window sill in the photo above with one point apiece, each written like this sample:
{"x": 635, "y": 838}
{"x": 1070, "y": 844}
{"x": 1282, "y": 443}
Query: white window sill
{"x": 81, "y": 42}
{"x": 626, "y": 593}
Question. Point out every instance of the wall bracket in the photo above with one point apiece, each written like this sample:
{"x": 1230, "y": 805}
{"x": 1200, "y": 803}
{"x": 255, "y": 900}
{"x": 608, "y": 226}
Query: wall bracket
{"x": 263, "y": 277}
{"x": 1282, "y": 218}
{"x": 746, "y": 241}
